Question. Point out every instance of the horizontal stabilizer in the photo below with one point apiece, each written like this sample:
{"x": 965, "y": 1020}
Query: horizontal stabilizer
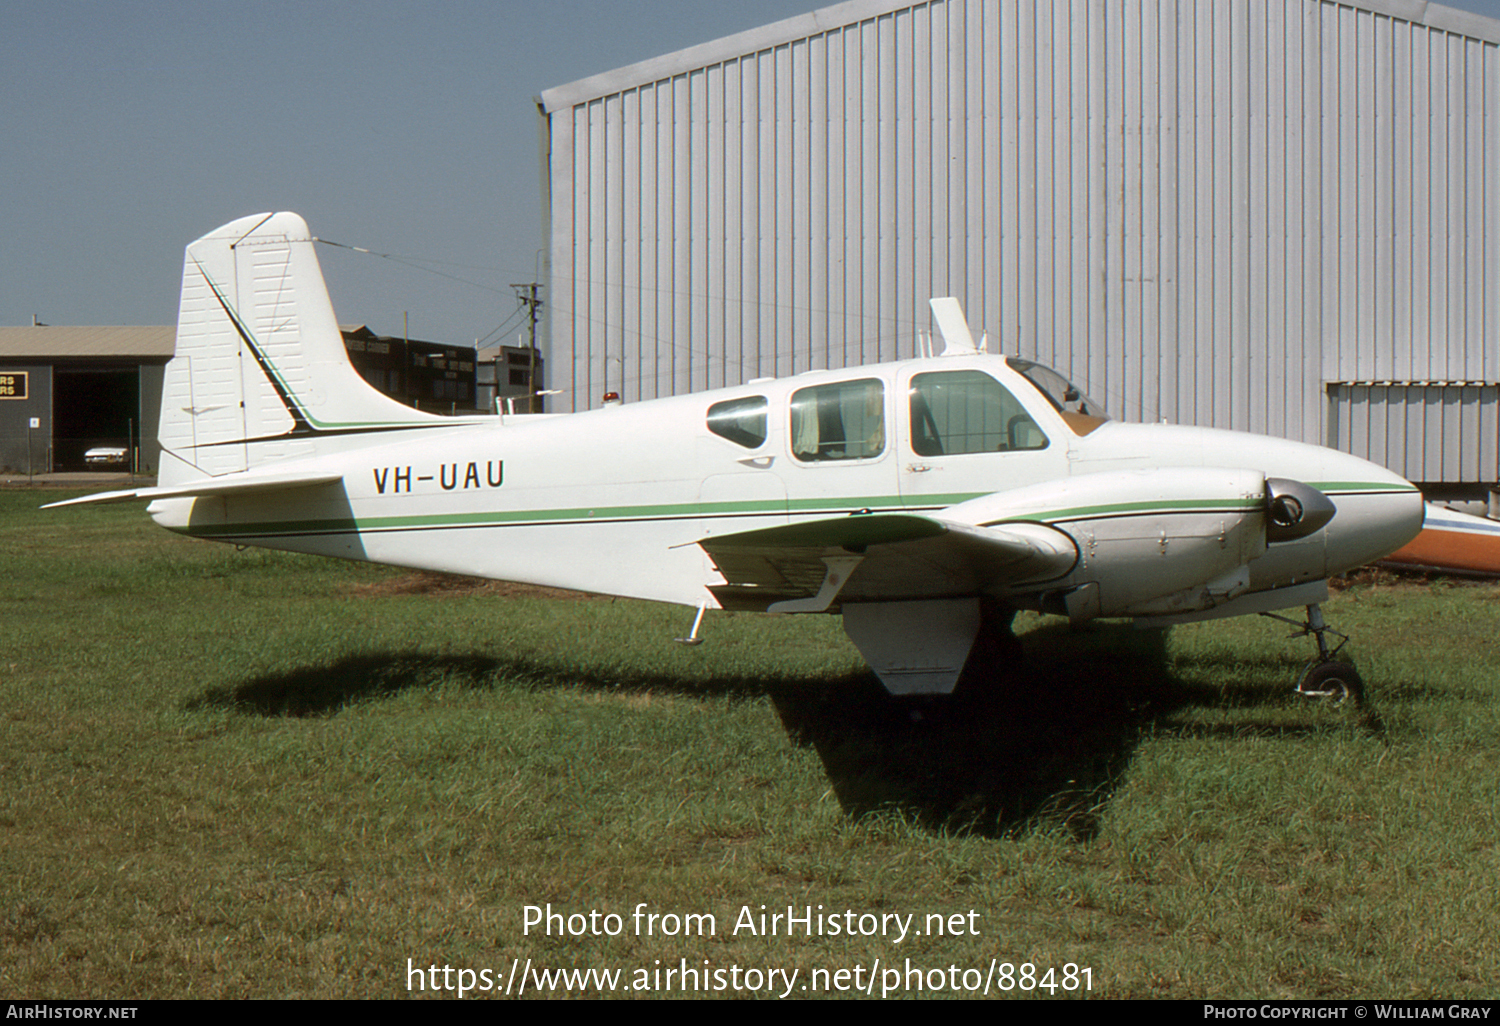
{"x": 228, "y": 484}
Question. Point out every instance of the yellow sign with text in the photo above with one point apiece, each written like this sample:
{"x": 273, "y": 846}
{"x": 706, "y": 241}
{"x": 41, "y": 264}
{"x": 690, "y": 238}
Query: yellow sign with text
{"x": 13, "y": 384}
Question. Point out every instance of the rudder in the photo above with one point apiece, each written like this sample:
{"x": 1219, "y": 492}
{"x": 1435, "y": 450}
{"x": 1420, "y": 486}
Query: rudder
{"x": 260, "y": 370}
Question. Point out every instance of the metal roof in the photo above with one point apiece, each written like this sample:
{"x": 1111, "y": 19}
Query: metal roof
{"x": 97, "y": 342}
{"x": 1447, "y": 19}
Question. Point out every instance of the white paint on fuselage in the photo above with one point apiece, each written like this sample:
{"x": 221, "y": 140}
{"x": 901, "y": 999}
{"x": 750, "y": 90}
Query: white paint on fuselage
{"x": 614, "y": 500}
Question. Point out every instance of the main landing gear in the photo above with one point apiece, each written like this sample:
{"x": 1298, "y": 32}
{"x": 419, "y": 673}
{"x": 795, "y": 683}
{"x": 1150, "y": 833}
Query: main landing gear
{"x": 1327, "y": 676}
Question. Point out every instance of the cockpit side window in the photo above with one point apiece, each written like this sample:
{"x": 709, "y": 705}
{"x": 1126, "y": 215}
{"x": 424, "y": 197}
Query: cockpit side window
{"x": 841, "y": 421}
{"x": 1078, "y": 411}
{"x": 1059, "y": 391}
{"x": 742, "y": 421}
{"x": 955, "y": 412}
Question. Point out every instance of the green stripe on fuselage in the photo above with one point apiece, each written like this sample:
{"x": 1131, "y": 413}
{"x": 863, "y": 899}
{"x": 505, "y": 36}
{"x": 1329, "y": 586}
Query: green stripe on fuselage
{"x": 835, "y": 507}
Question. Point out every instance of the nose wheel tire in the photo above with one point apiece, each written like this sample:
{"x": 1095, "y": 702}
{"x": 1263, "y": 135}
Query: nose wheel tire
{"x": 1326, "y": 677}
{"x": 1333, "y": 681}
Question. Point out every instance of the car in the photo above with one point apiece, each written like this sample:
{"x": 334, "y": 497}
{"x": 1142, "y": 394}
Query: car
{"x": 105, "y": 456}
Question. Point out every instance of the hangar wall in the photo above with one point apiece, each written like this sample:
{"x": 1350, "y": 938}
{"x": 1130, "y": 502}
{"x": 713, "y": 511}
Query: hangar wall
{"x": 25, "y": 395}
{"x": 85, "y": 386}
{"x": 1237, "y": 213}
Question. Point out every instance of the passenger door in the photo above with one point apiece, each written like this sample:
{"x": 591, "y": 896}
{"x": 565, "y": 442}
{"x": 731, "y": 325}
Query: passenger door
{"x": 742, "y": 487}
{"x": 840, "y": 446}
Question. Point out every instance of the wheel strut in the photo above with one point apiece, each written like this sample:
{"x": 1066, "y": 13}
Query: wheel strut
{"x": 1327, "y": 676}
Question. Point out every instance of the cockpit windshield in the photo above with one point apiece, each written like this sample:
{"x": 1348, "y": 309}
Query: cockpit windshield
{"x": 1060, "y": 392}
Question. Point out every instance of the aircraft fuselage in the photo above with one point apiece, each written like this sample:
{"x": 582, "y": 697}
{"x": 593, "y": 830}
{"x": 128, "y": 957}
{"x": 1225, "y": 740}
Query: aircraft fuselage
{"x": 615, "y": 500}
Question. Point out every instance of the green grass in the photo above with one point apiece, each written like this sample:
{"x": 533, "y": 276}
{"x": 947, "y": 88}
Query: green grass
{"x": 233, "y": 774}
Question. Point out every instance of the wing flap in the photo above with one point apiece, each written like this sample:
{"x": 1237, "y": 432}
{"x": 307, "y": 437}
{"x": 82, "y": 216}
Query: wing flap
{"x": 905, "y": 557}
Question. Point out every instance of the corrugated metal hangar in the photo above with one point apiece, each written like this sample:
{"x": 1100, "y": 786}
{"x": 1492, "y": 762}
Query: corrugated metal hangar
{"x": 1279, "y": 216}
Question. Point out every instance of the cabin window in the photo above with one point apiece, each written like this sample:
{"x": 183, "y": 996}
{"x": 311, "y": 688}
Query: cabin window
{"x": 841, "y": 421}
{"x": 742, "y": 421}
{"x": 955, "y": 412}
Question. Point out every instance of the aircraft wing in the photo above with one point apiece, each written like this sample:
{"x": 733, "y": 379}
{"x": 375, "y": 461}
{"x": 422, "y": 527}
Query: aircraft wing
{"x": 227, "y": 484}
{"x": 885, "y": 557}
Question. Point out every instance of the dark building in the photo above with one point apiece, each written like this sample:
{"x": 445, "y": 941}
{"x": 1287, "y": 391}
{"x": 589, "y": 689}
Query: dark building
{"x": 66, "y": 391}
{"x": 514, "y": 374}
{"x": 424, "y": 375}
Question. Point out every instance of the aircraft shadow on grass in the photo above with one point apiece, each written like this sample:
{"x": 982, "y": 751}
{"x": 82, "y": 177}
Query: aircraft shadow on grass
{"x": 1033, "y": 738}
{"x": 1038, "y": 738}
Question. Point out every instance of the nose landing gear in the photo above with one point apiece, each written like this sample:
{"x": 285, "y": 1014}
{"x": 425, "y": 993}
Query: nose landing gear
{"x": 1327, "y": 676}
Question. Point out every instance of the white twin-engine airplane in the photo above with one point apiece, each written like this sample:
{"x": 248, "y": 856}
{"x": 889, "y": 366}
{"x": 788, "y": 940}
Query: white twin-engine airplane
{"x": 926, "y": 500}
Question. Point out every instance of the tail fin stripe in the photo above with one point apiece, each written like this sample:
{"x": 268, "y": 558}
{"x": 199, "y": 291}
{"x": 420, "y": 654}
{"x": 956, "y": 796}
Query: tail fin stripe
{"x": 301, "y": 423}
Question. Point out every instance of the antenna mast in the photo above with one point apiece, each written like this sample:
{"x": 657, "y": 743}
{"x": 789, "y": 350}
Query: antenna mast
{"x": 526, "y": 292}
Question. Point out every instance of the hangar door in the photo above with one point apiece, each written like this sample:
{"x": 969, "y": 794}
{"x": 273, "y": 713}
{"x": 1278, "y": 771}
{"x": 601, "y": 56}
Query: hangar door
{"x": 92, "y": 408}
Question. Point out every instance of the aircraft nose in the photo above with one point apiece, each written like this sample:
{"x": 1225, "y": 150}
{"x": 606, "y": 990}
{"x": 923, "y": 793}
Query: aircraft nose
{"x": 1378, "y": 513}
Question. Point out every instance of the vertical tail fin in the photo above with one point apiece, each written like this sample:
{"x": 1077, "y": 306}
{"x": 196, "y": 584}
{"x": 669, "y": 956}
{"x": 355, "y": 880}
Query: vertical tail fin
{"x": 260, "y": 372}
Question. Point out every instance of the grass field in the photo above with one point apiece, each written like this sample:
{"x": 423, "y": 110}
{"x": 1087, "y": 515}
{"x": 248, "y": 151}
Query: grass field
{"x": 232, "y": 774}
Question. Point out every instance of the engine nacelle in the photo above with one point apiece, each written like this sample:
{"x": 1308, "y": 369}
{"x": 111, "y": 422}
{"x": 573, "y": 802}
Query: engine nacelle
{"x": 1179, "y": 536}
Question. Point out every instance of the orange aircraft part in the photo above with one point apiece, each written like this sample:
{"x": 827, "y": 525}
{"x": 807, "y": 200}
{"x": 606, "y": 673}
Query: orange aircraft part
{"x": 1440, "y": 547}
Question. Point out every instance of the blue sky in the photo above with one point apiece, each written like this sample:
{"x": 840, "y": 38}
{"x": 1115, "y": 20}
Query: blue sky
{"x": 130, "y": 128}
